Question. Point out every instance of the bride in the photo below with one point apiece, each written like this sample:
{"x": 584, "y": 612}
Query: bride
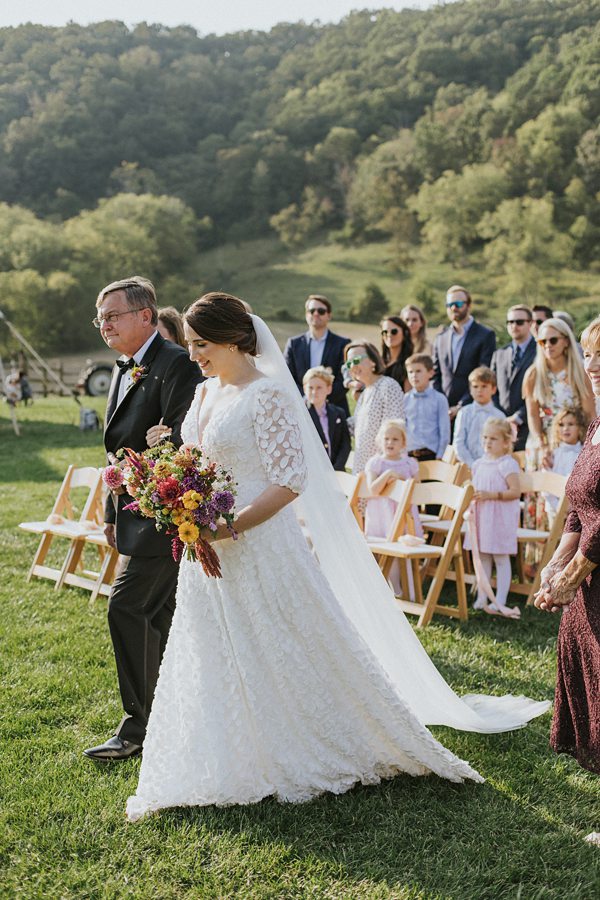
{"x": 288, "y": 676}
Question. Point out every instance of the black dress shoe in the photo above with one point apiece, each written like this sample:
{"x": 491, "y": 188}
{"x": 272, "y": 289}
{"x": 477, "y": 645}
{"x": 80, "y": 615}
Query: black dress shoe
{"x": 113, "y": 748}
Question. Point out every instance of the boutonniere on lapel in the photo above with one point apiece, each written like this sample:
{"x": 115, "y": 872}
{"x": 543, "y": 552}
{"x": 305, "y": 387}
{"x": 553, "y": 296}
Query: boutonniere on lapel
{"x": 137, "y": 374}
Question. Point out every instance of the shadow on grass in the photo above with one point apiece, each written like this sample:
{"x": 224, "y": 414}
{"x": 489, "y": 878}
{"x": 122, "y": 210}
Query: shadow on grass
{"x": 423, "y": 835}
{"x": 40, "y": 437}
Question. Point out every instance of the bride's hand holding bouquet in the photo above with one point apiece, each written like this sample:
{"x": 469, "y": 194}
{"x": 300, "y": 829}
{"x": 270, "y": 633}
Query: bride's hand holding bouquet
{"x": 190, "y": 498}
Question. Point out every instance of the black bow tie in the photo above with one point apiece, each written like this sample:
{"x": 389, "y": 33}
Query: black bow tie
{"x": 126, "y": 363}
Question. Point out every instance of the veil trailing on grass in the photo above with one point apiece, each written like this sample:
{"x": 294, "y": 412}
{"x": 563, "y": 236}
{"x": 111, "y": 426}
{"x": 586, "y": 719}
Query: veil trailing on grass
{"x": 363, "y": 593}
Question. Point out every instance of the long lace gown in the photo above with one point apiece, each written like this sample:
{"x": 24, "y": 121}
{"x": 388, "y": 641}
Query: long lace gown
{"x": 266, "y": 688}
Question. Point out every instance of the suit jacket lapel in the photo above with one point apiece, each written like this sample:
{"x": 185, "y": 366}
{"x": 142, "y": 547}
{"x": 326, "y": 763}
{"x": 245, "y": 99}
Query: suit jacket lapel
{"x": 113, "y": 393}
{"x": 306, "y": 351}
{"x": 315, "y": 417}
{"x": 468, "y": 337}
{"x": 325, "y": 361}
{"x": 526, "y": 360}
{"x": 147, "y": 360}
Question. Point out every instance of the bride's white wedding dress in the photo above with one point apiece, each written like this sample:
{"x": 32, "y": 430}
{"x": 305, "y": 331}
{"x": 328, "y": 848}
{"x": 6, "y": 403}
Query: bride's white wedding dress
{"x": 266, "y": 686}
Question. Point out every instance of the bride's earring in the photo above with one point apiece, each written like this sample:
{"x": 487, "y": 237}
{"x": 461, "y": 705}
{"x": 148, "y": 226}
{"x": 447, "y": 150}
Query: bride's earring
{"x": 232, "y": 347}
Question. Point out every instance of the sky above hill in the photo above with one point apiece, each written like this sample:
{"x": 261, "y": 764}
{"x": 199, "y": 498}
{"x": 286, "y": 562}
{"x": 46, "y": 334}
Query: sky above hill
{"x": 207, "y": 17}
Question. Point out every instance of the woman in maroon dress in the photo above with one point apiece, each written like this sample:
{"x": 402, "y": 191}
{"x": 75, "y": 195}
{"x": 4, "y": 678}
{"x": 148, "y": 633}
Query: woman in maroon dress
{"x": 571, "y": 582}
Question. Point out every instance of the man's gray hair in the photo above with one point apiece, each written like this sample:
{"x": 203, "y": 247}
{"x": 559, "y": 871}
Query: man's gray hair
{"x": 139, "y": 294}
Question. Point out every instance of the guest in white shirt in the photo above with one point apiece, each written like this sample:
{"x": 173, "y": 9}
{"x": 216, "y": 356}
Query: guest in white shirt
{"x": 471, "y": 419}
{"x": 567, "y": 435}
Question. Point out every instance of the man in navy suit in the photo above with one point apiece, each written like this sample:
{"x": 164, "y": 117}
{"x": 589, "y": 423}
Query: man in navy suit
{"x": 462, "y": 346}
{"x": 509, "y": 364}
{"x": 153, "y": 382}
{"x": 318, "y": 347}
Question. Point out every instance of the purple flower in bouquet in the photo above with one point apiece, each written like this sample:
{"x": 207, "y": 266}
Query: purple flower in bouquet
{"x": 222, "y": 501}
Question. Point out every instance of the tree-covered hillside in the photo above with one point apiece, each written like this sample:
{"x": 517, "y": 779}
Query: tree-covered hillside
{"x": 468, "y": 129}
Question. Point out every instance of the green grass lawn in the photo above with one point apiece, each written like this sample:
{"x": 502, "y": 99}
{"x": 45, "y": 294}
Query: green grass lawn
{"x": 63, "y": 832}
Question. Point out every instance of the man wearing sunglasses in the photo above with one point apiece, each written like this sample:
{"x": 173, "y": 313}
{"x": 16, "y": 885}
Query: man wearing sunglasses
{"x": 540, "y": 314}
{"x": 509, "y": 365}
{"x": 318, "y": 347}
{"x": 462, "y": 346}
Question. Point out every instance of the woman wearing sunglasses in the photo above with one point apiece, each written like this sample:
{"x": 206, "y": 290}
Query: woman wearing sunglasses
{"x": 381, "y": 398}
{"x": 396, "y": 347}
{"x": 556, "y": 379}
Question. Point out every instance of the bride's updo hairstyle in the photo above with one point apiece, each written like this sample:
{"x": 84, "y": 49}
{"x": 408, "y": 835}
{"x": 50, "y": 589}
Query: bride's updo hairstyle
{"x": 222, "y": 319}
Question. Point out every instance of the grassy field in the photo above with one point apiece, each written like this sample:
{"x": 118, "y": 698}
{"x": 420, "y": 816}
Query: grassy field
{"x": 271, "y": 277}
{"x": 62, "y": 828}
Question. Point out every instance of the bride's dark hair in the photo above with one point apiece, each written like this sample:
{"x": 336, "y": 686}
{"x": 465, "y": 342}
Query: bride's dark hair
{"x": 222, "y": 319}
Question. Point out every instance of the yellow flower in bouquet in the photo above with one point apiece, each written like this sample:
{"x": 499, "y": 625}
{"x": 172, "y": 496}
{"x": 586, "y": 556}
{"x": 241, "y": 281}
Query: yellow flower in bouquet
{"x": 188, "y": 533}
{"x": 191, "y": 499}
{"x": 161, "y": 470}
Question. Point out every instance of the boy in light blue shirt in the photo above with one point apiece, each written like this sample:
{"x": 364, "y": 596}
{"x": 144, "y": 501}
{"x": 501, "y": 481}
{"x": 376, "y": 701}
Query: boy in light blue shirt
{"x": 425, "y": 411}
{"x": 471, "y": 418}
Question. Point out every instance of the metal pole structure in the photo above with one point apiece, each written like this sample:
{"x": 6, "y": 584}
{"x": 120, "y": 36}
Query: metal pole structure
{"x": 17, "y": 334}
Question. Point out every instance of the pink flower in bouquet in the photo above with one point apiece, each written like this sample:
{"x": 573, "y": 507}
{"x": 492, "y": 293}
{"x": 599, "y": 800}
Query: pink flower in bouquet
{"x": 112, "y": 477}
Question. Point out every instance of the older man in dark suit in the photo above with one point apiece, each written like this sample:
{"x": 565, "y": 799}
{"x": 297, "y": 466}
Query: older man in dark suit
{"x": 318, "y": 347}
{"x": 154, "y": 381}
{"x": 509, "y": 364}
{"x": 462, "y": 346}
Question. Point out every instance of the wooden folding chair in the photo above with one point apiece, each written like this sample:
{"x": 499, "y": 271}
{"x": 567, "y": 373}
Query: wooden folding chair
{"x": 87, "y": 529}
{"x": 355, "y": 488}
{"x": 61, "y": 523}
{"x": 438, "y": 470}
{"x": 446, "y": 555}
{"x": 548, "y": 540}
{"x": 449, "y": 455}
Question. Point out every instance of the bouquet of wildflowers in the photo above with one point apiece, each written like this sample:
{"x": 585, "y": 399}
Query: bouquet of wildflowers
{"x": 182, "y": 491}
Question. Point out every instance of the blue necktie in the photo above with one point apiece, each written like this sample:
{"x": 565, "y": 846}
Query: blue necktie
{"x": 516, "y": 357}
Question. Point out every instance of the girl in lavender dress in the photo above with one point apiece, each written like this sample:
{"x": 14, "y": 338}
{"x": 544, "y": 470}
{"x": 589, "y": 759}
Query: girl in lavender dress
{"x": 496, "y": 513}
{"x": 392, "y": 463}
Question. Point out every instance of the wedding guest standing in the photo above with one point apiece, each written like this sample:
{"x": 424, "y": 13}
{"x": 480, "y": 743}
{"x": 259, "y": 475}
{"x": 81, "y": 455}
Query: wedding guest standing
{"x": 382, "y": 398}
{"x": 396, "y": 347}
{"x": 318, "y": 347}
{"x": 426, "y": 410}
{"x": 571, "y": 581}
{"x": 462, "y": 346}
{"x": 329, "y": 419}
{"x": 170, "y": 325}
{"x": 555, "y": 379}
{"x": 496, "y": 516}
{"x": 509, "y": 365}
{"x": 541, "y": 314}
{"x": 472, "y": 418}
{"x": 417, "y": 325}
{"x": 154, "y": 380}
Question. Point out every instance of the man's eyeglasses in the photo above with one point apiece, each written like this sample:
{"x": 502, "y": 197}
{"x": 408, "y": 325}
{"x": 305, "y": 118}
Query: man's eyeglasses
{"x": 539, "y": 322}
{"x": 112, "y": 318}
{"x": 518, "y": 322}
{"x": 317, "y": 311}
{"x": 386, "y": 331}
{"x": 355, "y": 361}
{"x": 457, "y": 303}
{"x": 553, "y": 341}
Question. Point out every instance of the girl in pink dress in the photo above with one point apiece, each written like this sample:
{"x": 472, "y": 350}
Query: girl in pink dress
{"x": 495, "y": 478}
{"x": 390, "y": 464}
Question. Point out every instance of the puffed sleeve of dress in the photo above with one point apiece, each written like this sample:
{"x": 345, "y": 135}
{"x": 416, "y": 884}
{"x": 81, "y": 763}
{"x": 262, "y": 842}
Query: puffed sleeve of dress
{"x": 278, "y": 438}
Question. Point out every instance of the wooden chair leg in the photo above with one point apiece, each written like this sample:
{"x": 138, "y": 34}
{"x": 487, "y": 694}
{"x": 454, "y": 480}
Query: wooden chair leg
{"x": 40, "y": 554}
{"x": 461, "y": 592}
{"x": 70, "y": 564}
{"x": 107, "y": 571}
{"x": 433, "y": 595}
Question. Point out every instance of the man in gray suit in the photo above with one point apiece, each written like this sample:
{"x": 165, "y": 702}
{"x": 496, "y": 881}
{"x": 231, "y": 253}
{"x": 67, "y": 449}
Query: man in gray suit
{"x": 142, "y": 599}
{"x": 509, "y": 364}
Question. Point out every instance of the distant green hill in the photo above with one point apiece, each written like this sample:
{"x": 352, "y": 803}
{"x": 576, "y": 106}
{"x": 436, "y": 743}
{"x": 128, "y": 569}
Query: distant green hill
{"x": 407, "y": 148}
